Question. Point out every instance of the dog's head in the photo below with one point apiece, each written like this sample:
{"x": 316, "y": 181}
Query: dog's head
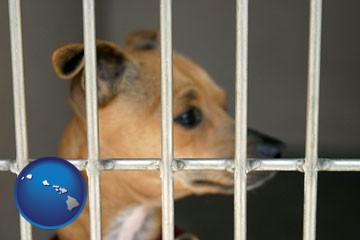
{"x": 128, "y": 84}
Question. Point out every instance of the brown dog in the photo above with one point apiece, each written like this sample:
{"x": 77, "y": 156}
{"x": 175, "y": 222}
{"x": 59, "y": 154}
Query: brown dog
{"x": 129, "y": 122}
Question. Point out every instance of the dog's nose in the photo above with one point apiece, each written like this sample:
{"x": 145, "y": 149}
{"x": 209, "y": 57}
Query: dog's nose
{"x": 268, "y": 146}
{"x": 271, "y": 147}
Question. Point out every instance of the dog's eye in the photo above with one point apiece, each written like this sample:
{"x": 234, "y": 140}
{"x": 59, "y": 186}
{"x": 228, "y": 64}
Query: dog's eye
{"x": 190, "y": 118}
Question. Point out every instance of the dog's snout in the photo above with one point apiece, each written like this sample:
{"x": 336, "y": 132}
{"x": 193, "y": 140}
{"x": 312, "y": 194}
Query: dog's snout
{"x": 267, "y": 146}
{"x": 271, "y": 147}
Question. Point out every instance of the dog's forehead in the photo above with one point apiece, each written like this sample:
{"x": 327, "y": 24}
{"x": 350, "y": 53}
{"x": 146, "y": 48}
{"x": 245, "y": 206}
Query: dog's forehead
{"x": 189, "y": 79}
{"x": 192, "y": 76}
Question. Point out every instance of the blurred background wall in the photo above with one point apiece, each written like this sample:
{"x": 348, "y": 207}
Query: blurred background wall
{"x": 205, "y": 31}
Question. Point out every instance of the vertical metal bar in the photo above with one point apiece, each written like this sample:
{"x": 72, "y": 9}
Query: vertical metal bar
{"x": 311, "y": 155}
{"x": 92, "y": 119}
{"x": 167, "y": 121}
{"x": 240, "y": 176}
{"x": 22, "y": 155}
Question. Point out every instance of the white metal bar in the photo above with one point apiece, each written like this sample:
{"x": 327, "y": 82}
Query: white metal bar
{"x": 167, "y": 120}
{"x": 275, "y": 165}
{"x": 18, "y": 84}
{"x": 293, "y": 165}
{"x": 130, "y": 164}
{"x": 339, "y": 165}
{"x": 143, "y": 164}
{"x": 201, "y": 164}
{"x": 92, "y": 120}
{"x": 240, "y": 177}
{"x": 312, "y": 122}
{"x": 17, "y": 61}
{"x": 6, "y": 165}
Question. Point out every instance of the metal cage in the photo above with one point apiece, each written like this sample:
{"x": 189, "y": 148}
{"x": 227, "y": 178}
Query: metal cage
{"x": 167, "y": 165}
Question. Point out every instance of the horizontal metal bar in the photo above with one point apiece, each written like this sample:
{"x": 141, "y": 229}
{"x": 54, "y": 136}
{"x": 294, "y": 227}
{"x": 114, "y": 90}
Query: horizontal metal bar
{"x": 276, "y": 165}
{"x": 130, "y": 164}
{"x": 203, "y": 164}
{"x": 6, "y": 165}
{"x": 339, "y": 165}
{"x": 143, "y": 164}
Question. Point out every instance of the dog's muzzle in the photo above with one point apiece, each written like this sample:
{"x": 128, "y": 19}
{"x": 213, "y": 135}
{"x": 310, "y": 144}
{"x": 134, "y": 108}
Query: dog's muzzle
{"x": 262, "y": 146}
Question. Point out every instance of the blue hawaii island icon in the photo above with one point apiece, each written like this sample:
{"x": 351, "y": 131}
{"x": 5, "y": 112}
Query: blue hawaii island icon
{"x": 50, "y": 193}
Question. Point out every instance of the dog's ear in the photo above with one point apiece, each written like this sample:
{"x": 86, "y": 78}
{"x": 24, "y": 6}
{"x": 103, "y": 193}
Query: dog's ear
{"x": 143, "y": 40}
{"x": 114, "y": 71}
{"x": 68, "y": 60}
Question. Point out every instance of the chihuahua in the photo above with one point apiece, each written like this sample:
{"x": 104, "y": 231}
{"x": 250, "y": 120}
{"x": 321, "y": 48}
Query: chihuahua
{"x": 128, "y": 91}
